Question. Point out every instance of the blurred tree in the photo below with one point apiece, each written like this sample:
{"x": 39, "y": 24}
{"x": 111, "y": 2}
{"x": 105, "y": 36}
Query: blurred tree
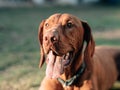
{"x": 110, "y": 1}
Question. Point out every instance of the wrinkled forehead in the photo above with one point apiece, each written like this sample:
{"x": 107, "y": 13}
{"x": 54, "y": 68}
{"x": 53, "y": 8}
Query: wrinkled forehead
{"x": 62, "y": 19}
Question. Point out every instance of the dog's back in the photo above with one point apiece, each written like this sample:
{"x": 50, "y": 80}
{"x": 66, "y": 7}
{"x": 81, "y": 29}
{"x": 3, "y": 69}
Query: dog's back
{"x": 114, "y": 53}
{"x": 106, "y": 66}
{"x": 117, "y": 61}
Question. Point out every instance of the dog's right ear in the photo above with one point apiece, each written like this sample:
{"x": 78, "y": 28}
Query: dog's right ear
{"x": 40, "y": 38}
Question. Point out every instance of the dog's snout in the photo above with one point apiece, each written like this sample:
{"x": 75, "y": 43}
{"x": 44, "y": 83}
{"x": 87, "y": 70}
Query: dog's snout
{"x": 51, "y": 37}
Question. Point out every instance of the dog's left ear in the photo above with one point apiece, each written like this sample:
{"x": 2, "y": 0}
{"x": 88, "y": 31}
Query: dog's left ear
{"x": 89, "y": 50}
{"x": 88, "y": 38}
{"x": 40, "y": 37}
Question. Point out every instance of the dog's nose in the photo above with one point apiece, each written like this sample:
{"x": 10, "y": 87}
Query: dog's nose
{"x": 53, "y": 38}
{"x": 50, "y": 37}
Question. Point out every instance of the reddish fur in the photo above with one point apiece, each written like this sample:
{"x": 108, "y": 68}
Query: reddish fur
{"x": 101, "y": 71}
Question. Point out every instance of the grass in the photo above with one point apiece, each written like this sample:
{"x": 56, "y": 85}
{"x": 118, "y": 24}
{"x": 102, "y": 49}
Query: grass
{"x": 108, "y": 42}
{"x": 19, "y": 47}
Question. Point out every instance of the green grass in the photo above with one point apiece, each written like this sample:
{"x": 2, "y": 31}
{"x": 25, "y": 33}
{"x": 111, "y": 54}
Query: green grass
{"x": 19, "y": 47}
{"x": 113, "y": 42}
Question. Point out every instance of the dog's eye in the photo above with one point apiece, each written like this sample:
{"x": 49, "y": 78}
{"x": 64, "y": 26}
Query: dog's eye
{"x": 69, "y": 25}
{"x": 46, "y": 24}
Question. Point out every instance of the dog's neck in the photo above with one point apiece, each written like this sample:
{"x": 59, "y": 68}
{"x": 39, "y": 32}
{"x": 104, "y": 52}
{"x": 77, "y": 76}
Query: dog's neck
{"x": 71, "y": 76}
{"x": 74, "y": 78}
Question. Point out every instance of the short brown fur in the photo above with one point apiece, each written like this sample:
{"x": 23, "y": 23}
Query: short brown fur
{"x": 102, "y": 63}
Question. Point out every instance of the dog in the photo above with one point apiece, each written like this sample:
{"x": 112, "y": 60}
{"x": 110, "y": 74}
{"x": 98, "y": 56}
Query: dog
{"x": 73, "y": 62}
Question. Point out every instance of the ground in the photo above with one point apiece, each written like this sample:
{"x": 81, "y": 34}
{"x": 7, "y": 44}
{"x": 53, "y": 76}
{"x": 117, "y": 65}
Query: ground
{"x": 19, "y": 46}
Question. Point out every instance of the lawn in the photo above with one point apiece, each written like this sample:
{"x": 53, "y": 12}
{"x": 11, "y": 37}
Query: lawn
{"x": 19, "y": 47}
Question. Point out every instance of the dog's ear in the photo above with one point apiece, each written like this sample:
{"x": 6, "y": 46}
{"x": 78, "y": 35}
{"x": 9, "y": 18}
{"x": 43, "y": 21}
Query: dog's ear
{"x": 40, "y": 38}
{"x": 89, "y": 50}
{"x": 88, "y": 38}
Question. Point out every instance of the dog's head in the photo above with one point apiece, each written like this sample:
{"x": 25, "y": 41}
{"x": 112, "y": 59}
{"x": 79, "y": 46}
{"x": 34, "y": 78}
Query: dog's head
{"x": 61, "y": 37}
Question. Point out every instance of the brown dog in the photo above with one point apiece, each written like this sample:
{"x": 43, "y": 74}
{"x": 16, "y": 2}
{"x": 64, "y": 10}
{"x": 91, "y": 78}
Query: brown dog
{"x": 73, "y": 62}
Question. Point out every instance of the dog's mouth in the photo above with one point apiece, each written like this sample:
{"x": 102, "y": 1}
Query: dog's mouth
{"x": 57, "y": 63}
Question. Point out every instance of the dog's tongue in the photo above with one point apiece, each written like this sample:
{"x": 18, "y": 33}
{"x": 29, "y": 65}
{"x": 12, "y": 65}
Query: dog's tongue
{"x": 54, "y": 66}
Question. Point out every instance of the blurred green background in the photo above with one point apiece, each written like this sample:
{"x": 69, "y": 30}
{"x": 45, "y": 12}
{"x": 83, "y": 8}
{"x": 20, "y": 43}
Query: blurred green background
{"x": 19, "y": 46}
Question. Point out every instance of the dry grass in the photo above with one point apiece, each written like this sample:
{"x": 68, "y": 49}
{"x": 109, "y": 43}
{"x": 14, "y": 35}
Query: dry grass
{"x": 108, "y": 34}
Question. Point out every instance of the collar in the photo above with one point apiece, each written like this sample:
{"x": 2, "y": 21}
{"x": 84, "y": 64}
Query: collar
{"x": 73, "y": 79}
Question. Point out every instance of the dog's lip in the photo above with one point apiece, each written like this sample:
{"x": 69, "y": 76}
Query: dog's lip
{"x": 66, "y": 58}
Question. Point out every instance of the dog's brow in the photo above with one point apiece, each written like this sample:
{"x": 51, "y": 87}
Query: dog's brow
{"x": 59, "y": 17}
{"x": 64, "y": 19}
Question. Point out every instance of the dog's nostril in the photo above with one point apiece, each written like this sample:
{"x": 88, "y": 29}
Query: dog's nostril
{"x": 53, "y": 39}
{"x": 46, "y": 38}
